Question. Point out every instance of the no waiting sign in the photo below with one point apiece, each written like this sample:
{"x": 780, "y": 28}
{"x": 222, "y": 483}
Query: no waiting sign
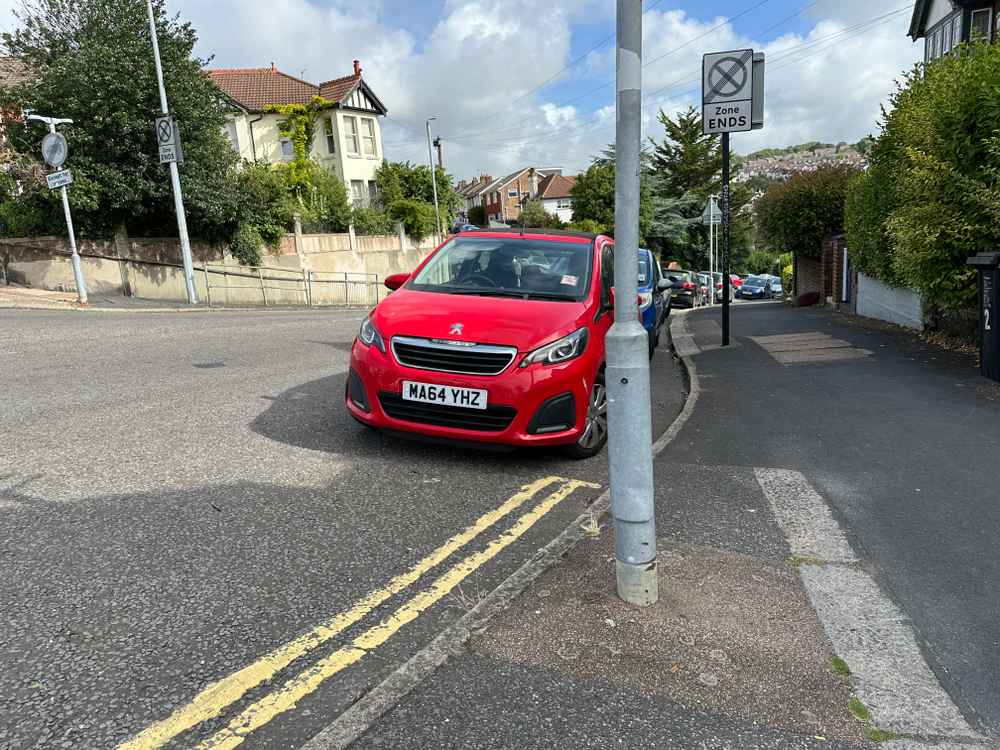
{"x": 732, "y": 98}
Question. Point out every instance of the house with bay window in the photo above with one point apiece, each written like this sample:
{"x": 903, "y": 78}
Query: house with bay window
{"x": 945, "y": 24}
{"x": 348, "y": 139}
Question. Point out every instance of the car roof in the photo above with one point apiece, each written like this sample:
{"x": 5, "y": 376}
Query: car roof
{"x": 538, "y": 233}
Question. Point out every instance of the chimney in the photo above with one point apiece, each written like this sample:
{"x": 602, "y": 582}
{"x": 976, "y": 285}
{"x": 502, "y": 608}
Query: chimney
{"x": 357, "y": 69}
{"x": 273, "y": 69}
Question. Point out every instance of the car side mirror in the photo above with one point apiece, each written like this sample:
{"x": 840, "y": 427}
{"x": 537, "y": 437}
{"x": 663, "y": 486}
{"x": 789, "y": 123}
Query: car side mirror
{"x": 665, "y": 284}
{"x": 396, "y": 280}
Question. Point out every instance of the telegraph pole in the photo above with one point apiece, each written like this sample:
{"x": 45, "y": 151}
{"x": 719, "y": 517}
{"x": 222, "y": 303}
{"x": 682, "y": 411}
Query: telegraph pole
{"x": 434, "y": 184}
{"x": 437, "y": 145}
{"x": 630, "y": 454}
{"x": 175, "y": 177}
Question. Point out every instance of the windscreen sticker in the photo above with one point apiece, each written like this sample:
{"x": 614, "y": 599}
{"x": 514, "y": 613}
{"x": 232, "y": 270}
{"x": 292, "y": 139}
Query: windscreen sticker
{"x": 569, "y": 280}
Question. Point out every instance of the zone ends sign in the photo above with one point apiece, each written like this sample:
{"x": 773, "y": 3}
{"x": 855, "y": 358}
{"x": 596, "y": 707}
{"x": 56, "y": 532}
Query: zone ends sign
{"x": 732, "y": 91}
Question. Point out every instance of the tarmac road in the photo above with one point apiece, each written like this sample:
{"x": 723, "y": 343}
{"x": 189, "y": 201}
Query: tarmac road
{"x": 183, "y": 495}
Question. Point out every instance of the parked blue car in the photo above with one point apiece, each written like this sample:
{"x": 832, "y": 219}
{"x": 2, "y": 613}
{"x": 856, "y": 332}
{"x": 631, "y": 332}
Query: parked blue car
{"x": 654, "y": 297}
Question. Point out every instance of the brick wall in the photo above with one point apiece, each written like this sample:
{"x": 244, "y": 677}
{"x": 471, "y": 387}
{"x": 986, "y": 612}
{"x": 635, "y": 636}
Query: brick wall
{"x": 808, "y": 275}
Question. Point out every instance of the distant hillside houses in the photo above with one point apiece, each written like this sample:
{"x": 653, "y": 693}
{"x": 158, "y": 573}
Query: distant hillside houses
{"x": 780, "y": 164}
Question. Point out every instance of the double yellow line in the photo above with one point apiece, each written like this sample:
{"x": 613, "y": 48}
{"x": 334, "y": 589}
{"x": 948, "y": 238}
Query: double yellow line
{"x": 215, "y": 698}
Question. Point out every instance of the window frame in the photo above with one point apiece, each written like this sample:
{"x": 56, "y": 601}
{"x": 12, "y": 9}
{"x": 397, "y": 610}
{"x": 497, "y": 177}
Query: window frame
{"x": 513, "y": 192}
{"x": 368, "y": 123}
{"x": 288, "y": 155}
{"x": 352, "y": 137}
{"x": 989, "y": 23}
{"x": 358, "y": 198}
{"x": 564, "y": 203}
{"x": 330, "y": 131}
{"x": 956, "y": 30}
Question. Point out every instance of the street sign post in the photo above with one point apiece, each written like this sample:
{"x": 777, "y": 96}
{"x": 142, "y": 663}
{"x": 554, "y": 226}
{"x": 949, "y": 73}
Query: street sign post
{"x": 55, "y": 151}
{"x": 169, "y": 141}
{"x": 732, "y": 101}
{"x": 711, "y": 217}
{"x": 171, "y": 159}
{"x": 59, "y": 179}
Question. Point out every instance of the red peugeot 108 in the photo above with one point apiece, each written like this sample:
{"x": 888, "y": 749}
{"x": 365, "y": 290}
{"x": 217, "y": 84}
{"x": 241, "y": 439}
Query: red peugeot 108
{"x": 497, "y": 337}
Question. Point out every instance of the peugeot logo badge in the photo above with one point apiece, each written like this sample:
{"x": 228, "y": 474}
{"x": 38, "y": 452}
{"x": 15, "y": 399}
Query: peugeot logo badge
{"x": 456, "y": 329}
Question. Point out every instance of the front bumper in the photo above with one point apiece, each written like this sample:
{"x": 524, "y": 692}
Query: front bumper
{"x": 522, "y": 391}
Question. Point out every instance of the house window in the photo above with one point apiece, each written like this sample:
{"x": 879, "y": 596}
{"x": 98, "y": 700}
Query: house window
{"x": 368, "y": 136}
{"x": 287, "y": 149}
{"x": 232, "y": 135}
{"x": 358, "y": 192}
{"x": 331, "y": 138}
{"x": 512, "y": 192}
{"x": 373, "y": 192}
{"x": 956, "y": 30}
{"x": 564, "y": 203}
{"x": 353, "y": 146}
{"x": 946, "y": 38}
{"x": 979, "y": 29}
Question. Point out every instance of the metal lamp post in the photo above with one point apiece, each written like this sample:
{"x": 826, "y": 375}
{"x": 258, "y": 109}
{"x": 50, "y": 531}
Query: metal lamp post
{"x": 175, "y": 177}
{"x": 430, "y": 161}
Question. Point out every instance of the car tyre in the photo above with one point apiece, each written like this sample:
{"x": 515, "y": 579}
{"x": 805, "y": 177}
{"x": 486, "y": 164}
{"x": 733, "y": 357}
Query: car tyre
{"x": 595, "y": 433}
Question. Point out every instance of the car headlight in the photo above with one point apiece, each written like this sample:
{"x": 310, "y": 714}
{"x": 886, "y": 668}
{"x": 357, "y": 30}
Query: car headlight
{"x": 563, "y": 350}
{"x": 369, "y": 335}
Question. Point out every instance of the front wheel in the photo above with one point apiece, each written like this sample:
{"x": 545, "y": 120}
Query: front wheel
{"x": 595, "y": 429}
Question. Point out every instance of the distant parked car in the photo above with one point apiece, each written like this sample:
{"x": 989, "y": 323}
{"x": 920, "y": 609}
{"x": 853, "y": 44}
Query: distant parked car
{"x": 774, "y": 288}
{"x": 705, "y": 287}
{"x": 459, "y": 228}
{"x": 754, "y": 287}
{"x": 685, "y": 291}
{"x": 654, "y": 297}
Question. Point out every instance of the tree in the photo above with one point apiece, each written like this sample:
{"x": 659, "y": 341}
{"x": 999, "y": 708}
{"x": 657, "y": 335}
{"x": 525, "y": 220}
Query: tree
{"x": 403, "y": 180}
{"x": 93, "y": 63}
{"x": 533, "y": 214}
{"x": 760, "y": 261}
{"x": 477, "y": 216}
{"x": 796, "y": 215}
{"x": 593, "y": 196}
{"x": 686, "y": 159}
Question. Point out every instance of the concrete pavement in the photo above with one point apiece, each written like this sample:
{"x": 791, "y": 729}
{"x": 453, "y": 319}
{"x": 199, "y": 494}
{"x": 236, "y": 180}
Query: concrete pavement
{"x": 784, "y": 512}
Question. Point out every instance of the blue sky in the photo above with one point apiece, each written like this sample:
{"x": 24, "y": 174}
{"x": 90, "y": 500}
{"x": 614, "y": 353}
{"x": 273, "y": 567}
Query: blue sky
{"x": 476, "y": 65}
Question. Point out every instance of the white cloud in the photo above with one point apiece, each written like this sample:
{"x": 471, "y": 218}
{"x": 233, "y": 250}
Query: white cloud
{"x": 477, "y": 68}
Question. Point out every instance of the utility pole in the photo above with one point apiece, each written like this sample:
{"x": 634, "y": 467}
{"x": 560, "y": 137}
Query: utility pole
{"x": 434, "y": 184}
{"x": 81, "y": 285}
{"x": 630, "y": 454}
{"x": 726, "y": 281}
{"x": 175, "y": 177}
{"x": 437, "y": 145}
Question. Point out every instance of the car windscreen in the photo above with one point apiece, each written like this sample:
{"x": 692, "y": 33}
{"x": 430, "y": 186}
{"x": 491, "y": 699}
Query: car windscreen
{"x": 508, "y": 267}
{"x": 644, "y": 270}
{"x": 754, "y": 281}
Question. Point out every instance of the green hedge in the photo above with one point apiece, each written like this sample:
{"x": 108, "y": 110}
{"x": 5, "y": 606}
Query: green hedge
{"x": 931, "y": 197}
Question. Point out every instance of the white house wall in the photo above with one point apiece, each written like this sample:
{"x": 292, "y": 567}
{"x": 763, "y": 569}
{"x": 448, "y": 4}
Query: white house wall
{"x": 938, "y": 10}
{"x": 267, "y": 142}
{"x": 551, "y": 207}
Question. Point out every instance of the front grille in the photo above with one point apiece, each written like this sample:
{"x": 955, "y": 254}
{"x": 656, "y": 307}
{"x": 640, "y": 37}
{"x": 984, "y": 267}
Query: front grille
{"x": 490, "y": 419}
{"x": 458, "y": 357}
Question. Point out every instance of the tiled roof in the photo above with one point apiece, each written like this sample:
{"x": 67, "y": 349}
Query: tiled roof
{"x": 13, "y": 71}
{"x": 556, "y": 186}
{"x": 257, "y": 88}
{"x": 338, "y": 88}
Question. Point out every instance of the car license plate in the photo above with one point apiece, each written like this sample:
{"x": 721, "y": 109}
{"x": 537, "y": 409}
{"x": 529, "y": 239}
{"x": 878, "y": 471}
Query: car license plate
{"x": 445, "y": 395}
